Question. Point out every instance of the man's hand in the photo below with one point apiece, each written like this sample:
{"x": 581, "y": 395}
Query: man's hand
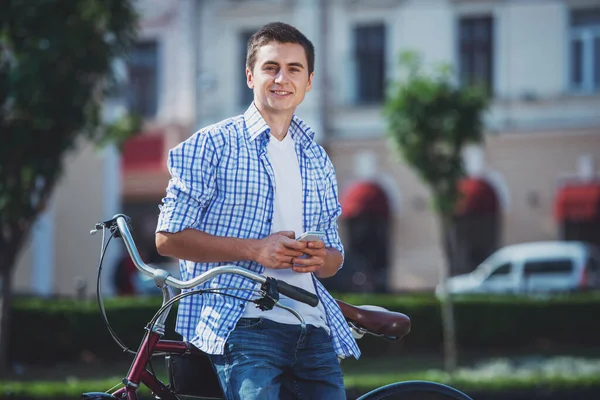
{"x": 279, "y": 250}
{"x": 316, "y": 255}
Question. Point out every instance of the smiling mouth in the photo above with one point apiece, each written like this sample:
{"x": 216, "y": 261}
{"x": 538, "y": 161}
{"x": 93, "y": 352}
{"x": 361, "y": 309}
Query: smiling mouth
{"x": 280, "y": 92}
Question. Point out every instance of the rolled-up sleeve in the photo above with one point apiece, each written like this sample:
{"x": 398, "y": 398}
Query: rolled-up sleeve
{"x": 192, "y": 166}
{"x": 332, "y": 211}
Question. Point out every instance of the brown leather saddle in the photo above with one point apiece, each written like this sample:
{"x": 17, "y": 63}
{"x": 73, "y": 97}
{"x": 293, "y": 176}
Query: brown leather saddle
{"x": 376, "y": 319}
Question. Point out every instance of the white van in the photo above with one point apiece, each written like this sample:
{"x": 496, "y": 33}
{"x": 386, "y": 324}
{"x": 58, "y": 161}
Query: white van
{"x": 536, "y": 267}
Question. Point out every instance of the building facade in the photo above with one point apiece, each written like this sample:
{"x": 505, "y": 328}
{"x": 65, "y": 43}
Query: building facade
{"x": 539, "y": 59}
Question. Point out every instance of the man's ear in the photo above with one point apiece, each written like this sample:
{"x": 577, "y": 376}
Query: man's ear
{"x": 249, "y": 79}
{"x": 310, "y": 80}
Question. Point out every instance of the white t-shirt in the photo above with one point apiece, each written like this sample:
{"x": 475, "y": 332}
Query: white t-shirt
{"x": 288, "y": 216}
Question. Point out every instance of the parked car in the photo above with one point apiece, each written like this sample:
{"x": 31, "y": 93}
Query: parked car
{"x": 535, "y": 267}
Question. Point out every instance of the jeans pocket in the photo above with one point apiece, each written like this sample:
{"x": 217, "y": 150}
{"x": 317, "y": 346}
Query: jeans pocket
{"x": 248, "y": 323}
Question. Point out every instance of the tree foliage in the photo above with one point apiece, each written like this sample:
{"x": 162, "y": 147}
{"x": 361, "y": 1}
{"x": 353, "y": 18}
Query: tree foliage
{"x": 56, "y": 59}
{"x": 430, "y": 121}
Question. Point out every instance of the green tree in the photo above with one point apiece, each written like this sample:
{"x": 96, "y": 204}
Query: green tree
{"x": 430, "y": 121}
{"x": 55, "y": 71}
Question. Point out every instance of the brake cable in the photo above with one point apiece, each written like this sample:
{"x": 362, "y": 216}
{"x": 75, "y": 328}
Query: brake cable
{"x": 99, "y": 299}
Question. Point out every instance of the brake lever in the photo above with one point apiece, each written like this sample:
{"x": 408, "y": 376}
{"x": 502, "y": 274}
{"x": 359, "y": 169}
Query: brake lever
{"x": 98, "y": 227}
{"x": 270, "y": 296}
{"x": 111, "y": 225}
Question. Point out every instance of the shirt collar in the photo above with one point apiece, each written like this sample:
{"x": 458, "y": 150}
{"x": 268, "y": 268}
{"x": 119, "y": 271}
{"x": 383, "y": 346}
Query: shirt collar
{"x": 256, "y": 125}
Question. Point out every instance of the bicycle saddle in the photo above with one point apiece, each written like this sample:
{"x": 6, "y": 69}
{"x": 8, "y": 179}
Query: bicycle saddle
{"x": 376, "y": 319}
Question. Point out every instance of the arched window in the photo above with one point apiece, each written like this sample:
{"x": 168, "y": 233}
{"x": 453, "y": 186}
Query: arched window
{"x": 577, "y": 210}
{"x": 477, "y": 229}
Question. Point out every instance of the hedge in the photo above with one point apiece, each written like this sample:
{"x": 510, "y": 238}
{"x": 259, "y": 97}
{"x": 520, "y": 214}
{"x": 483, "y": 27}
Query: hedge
{"x": 64, "y": 330}
{"x": 494, "y": 388}
{"x": 45, "y": 330}
{"x": 492, "y": 323}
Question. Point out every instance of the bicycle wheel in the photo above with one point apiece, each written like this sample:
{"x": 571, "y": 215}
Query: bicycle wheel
{"x": 415, "y": 390}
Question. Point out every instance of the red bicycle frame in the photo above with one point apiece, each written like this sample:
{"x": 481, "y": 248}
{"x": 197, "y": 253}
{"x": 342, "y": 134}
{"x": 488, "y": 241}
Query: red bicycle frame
{"x": 138, "y": 374}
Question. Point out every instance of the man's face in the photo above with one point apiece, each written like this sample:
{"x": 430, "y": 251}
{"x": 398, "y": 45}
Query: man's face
{"x": 280, "y": 77}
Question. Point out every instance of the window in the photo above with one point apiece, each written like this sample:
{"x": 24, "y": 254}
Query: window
{"x": 142, "y": 72}
{"x": 370, "y": 63}
{"x": 548, "y": 267}
{"x": 476, "y": 52}
{"x": 246, "y": 95}
{"x": 585, "y": 50}
{"x": 502, "y": 270}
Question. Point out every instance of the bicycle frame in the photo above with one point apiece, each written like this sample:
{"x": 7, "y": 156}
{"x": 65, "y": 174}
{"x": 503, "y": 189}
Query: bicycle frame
{"x": 152, "y": 344}
{"x": 139, "y": 375}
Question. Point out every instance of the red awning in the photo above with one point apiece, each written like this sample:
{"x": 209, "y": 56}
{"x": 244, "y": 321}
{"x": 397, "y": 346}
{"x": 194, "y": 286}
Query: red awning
{"x": 578, "y": 202}
{"x": 478, "y": 198}
{"x": 364, "y": 199}
{"x": 144, "y": 152}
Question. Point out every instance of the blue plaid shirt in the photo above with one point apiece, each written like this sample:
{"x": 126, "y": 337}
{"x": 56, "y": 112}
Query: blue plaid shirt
{"x": 222, "y": 184}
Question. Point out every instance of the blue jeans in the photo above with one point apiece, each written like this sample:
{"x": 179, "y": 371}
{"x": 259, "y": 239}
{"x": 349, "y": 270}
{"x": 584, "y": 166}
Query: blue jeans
{"x": 266, "y": 360}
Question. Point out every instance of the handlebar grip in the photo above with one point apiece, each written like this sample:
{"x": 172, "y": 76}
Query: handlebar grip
{"x": 296, "y": 293}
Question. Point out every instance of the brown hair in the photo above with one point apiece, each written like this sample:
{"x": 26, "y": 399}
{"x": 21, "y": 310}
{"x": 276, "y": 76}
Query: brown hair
{"x": 281, "y": 33}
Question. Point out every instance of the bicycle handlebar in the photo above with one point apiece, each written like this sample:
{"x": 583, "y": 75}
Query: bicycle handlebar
{"x": 291, "y": 291}
{"x": 296, "y": 293}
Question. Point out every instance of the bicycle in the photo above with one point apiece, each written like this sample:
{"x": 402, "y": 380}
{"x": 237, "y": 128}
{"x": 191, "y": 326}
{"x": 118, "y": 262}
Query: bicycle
{"x": 186, "y": 364}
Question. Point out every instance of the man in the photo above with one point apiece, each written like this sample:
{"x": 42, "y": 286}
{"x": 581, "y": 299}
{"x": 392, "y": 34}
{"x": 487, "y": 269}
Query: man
{"x": 241, "y": 191}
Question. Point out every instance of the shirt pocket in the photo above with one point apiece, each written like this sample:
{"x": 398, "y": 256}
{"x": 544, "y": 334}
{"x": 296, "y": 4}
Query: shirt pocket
{"x": 245, "y": 188}
{"x": 241, "y": 200}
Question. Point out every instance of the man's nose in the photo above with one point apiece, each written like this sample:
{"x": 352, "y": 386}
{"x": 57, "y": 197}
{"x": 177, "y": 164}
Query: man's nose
{"x": 281, "y": 76}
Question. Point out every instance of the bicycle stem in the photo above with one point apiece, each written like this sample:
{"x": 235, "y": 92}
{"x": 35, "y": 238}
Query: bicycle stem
{"x": 160, "y": 277}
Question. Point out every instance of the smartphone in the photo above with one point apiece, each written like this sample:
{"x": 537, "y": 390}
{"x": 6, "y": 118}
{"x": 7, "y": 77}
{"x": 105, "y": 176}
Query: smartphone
{"x": 311, "y": 236}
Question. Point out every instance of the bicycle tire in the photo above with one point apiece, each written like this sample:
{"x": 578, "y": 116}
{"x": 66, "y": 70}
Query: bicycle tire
{"x": 415, "y": 390}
